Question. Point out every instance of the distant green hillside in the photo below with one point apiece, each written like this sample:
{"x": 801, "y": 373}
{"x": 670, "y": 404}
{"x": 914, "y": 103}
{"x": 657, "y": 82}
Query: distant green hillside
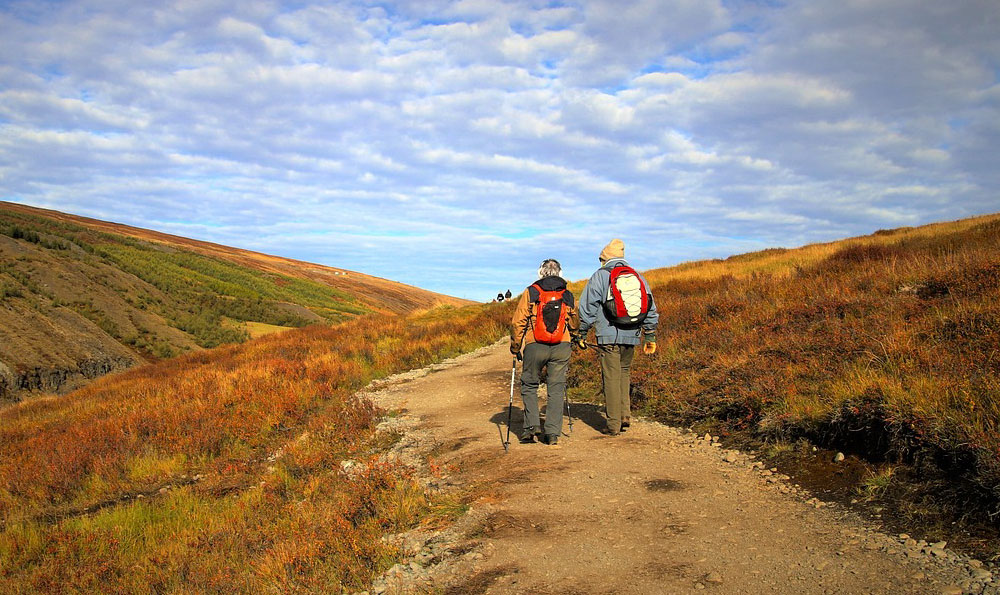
{"x": 77, "y": 301}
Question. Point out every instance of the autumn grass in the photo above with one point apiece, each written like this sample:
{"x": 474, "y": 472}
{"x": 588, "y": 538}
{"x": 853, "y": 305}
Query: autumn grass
{"x": 886, "y": 346}
{"x": 221, "y": 471}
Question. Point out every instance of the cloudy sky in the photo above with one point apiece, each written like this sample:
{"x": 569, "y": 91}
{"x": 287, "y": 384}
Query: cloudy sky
{"x": 454, "y": 145}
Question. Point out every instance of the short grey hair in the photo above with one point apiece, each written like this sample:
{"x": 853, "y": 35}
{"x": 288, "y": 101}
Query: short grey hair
{"x": 549, "y": 268}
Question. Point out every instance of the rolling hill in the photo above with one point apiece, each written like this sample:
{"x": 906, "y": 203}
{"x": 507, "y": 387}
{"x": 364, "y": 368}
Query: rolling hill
{"x": 886, "y": 347}
{"x": 80, "y": 297}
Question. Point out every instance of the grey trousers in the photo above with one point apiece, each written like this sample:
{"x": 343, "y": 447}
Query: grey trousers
{"x": 536, "y": 356}
{"x": 616, "y": 368}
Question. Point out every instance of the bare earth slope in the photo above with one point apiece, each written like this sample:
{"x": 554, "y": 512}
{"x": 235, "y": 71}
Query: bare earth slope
{"x": 656, "y": 510}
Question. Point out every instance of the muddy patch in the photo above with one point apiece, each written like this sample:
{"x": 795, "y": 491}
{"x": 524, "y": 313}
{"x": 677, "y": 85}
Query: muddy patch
{"x": 817, "y": 472}
{"x": 920, "y": 500}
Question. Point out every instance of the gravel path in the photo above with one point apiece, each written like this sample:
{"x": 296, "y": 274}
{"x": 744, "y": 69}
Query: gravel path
{"x": 655, "y": 510}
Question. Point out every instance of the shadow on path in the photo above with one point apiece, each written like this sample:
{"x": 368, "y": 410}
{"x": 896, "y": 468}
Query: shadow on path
{"x": 588, "y": 413}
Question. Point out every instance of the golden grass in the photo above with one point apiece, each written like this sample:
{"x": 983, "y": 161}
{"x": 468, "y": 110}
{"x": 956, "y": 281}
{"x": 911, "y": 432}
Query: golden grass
{"x": 255, "y": 329}
{"x": 887, "y": 345}
{"x": 221, "y": 470}
{"x": 782, "y": 263}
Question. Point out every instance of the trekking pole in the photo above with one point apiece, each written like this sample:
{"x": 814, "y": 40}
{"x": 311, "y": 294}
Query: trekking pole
{"x": 510, "y": 404}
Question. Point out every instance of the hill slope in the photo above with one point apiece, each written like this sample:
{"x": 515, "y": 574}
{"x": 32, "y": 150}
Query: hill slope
{"x": 886, "y": 346}
{"x": 81, "y": 297}
{"x": 226, "y": 470}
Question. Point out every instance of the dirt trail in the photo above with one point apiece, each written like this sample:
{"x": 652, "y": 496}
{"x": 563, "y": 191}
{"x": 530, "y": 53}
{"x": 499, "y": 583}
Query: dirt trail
{"x": 655, "y": 510}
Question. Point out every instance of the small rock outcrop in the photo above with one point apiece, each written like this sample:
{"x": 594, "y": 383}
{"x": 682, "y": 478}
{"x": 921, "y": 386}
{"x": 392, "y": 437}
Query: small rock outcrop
{"x": 56, "y": 379}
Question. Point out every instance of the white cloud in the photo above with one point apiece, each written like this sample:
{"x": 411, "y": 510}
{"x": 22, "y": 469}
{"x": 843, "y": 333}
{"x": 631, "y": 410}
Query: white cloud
{"x": 661, "y": 79}
{"x": 622, "y": 38}
{"x": 495, "y": 133}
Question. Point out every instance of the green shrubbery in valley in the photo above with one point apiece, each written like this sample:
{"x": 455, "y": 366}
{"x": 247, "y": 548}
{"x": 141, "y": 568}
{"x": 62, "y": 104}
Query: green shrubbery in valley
{"x": 193, "y": 292}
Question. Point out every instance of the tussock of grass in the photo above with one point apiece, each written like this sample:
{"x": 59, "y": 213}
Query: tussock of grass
{"x": 877, "y": 482}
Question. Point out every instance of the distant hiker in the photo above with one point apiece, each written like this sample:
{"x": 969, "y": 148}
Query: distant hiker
{"x": 508, "y": 295}
{"x": 544, "y": 320}
{"x": 499, "y": 297}
{"x": 618, "y": 304}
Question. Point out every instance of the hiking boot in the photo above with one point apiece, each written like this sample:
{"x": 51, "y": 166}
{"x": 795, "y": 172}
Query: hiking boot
{"x": 609, "y": 432}
{"x": 527, "y": 436}
{"x": 625, "y": 424}
{"x": 550, "y": 439}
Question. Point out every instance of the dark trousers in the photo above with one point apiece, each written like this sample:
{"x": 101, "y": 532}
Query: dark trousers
{"x": 616, "y": 369}
{"x": 537, "y": 356}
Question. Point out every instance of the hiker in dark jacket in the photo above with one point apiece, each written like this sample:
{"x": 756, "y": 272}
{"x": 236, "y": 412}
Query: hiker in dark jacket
{"x": 554, "y": 353}
{"x": 615, "y": 344}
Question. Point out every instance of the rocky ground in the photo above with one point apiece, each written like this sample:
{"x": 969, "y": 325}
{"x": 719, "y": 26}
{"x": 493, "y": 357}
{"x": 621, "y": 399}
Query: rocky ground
{"x": 654, "y": 510}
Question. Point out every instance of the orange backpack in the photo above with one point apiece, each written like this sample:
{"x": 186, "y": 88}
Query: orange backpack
{"x": 550, "y": 315}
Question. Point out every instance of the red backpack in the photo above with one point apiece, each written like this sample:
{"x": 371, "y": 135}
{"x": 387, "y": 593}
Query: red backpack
{"x": 550, "y": 315}
{"x": 628, "y": 299}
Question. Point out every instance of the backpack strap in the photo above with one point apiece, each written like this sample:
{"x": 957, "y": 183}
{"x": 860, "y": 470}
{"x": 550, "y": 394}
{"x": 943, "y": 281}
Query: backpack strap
{"x": 568, "y": 298}
{"x": 534, "y": 291}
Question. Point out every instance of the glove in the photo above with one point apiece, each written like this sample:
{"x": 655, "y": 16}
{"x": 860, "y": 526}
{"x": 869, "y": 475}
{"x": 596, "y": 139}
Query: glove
{"x": 579, "y": 340}
{"x": 515, "y": 349}
{"x": 649, "y": 348}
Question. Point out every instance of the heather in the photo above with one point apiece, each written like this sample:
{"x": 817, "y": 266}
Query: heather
{"x": 221, "y": 470}
{"x": 886, "y": 346}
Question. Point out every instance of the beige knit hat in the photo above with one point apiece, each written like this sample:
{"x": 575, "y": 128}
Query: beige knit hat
{"x": 614, "y": 249}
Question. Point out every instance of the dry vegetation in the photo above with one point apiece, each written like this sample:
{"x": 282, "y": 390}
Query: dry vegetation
{"x": 221, "y": 470}
{"x": 886, "y": 346}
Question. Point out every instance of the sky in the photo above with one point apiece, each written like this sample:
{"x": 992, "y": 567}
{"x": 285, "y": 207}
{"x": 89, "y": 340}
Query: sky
{"x": 455, "y": 145}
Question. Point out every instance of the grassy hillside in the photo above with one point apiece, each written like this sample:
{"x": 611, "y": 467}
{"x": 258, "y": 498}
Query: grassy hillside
{"x": 886, "y": 346}
{"x": 79, "y": 297}
{"x": 221, "y": 471}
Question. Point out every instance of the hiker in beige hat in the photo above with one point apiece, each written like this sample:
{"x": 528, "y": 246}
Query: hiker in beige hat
{"x": 618, "y": 304}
